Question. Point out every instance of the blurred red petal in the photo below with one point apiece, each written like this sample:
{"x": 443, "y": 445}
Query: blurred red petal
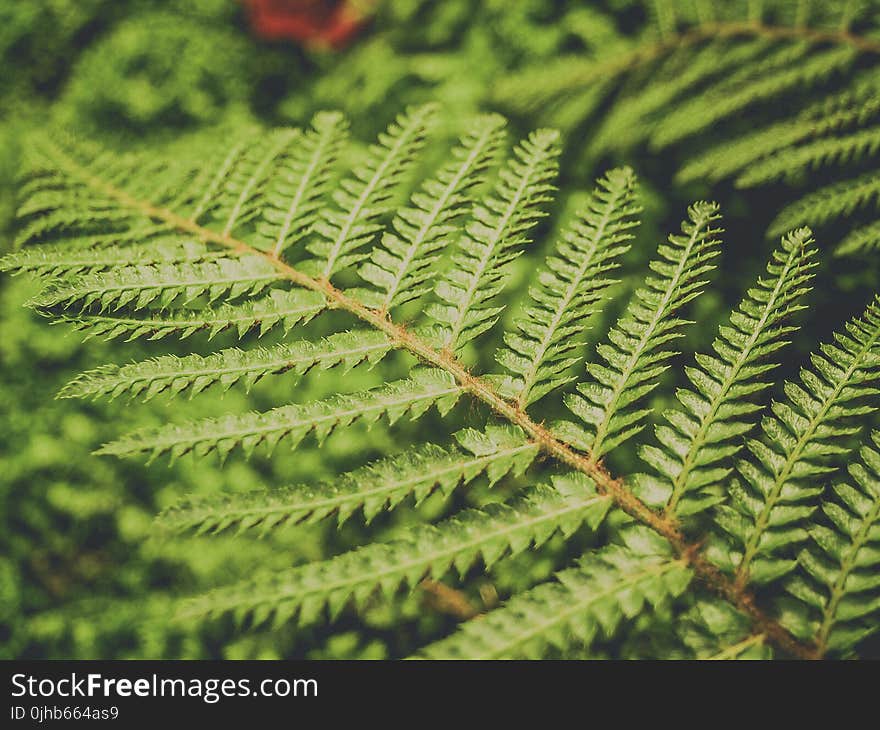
{"x": 316, "y": 22}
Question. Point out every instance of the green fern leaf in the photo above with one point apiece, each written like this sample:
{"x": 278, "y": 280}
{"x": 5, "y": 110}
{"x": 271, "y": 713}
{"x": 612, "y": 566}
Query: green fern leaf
{"x": 362, "y": 198}
{"x": 636, "y": 352}
{"x": 412, "y": 397}
{"x": 141, "y": 286}
{"x": 487, "y": 535}
{"x": 838, "y": 583}
{"x": 494, "y": 238}
{"x": 795, "y": 161}
{"x": 292, "y": 202}
{"x": 804, "y": 438}
{"x": 287, "y": 308}
{"x": 410, "y": 250}
{"x": 698, "y": 439}
{"x": 242, "y": 192}
{"x": 760, "y": 81}
{"x": 374, "y": 489}
{"x": 828, "y": 203}
{"x": 195, "y": 373}
{"x": 861, "y": 240}
{"x": 609, "y": 585}
{"x": 569, "y": 290}
{"x": 57, "y": 260}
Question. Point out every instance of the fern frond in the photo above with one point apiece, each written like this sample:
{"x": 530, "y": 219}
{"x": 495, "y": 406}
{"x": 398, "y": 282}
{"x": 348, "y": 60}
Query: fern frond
{"x": 631, "y": 118}
{"x": 195, "y": 373}
{"x": 838, "y": 583}
{"x": 700, "y": 437}
{"x": 806, "y": 436}
{"x": 493, "y": 239}
{"x": 140, "y": 286}
{"x": 797, "y": 160}
{"x": 826, "y": 204}
{"x": 411, "y": 248}
{"x": 412, "y": 397}
{"x": 58, "y": 260}
{"x": 714, "y": 631}
{"x": 568, "y": 290}
{"x": 374, "y": 489}
{"x": 861, "y": 240}
{"x": 242, "y": 192}
{"x": 764, "y": 80}
{"x": 292, "y": 202}
{"x": 363, "y": 197}
{"x": 609, "y": 585}
{"x": 278, "y": 306}
{"x": 487, "y": 535}
{"x": 638, "y": 344}
{"x": 736, "y": 157}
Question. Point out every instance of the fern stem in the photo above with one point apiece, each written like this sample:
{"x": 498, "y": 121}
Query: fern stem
{"x": 402, "y": 338}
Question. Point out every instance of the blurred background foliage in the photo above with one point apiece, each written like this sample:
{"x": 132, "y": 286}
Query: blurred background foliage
{"x": 83, "y": 573}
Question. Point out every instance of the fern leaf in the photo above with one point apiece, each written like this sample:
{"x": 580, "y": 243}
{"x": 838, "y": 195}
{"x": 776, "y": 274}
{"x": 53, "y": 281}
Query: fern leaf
{"x": 195, "y": 373}
{"x": 278, "y": 306}
{"x": 493, "y": 239}
{"x": 569, "y": 290}
{"x": 363, "y": 197}
{"x": 861, "y": 240}
{"x": 632, "y": 118}
{"x": 63, "y": 260}
{"x": 838, "y": 582}
{"x": 221, "y": 169}
{"x": 832, "y": 114}
{"x": 373, "y": 489}
{"x": 803, "y": 440}
{"x": 794, "y": 161}
{"x": 457, "y": 543}
{"x": 140, "y": 286}
{"x": 243, "y": 190}
{"x": 609, "y": 585}
{"x": 410, "y": 249}
{"x": 412, "y": 397}
{"x": 769, "y": 79}
{"x": 292, "y": 201}
{"x": 637, "y": 347}
{"x": 714, "y": 631}
{"x": 700, "y": 437}
{"x": 828, "y": 203}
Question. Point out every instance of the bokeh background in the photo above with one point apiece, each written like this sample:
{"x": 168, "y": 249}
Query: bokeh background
{"x": 83, "y": 571}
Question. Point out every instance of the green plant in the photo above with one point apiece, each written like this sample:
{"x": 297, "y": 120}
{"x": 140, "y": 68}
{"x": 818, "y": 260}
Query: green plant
{"x": 758, "y": 92}
{"x": 723, "y": 531}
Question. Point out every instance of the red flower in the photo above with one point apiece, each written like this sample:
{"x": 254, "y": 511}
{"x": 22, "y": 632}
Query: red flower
{"x": 320, "y": 23}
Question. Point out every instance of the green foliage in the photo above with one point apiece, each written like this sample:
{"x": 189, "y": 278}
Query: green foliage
{"x": 592, "y": 599}
{"x": 328, "y": 285}
{"x": 837, "y": 583}
{"x": 767, "y": 515}
{"x": 755, "y": 92}
{"x": 716, "y": 411}
{"x": 633, "y": 355}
